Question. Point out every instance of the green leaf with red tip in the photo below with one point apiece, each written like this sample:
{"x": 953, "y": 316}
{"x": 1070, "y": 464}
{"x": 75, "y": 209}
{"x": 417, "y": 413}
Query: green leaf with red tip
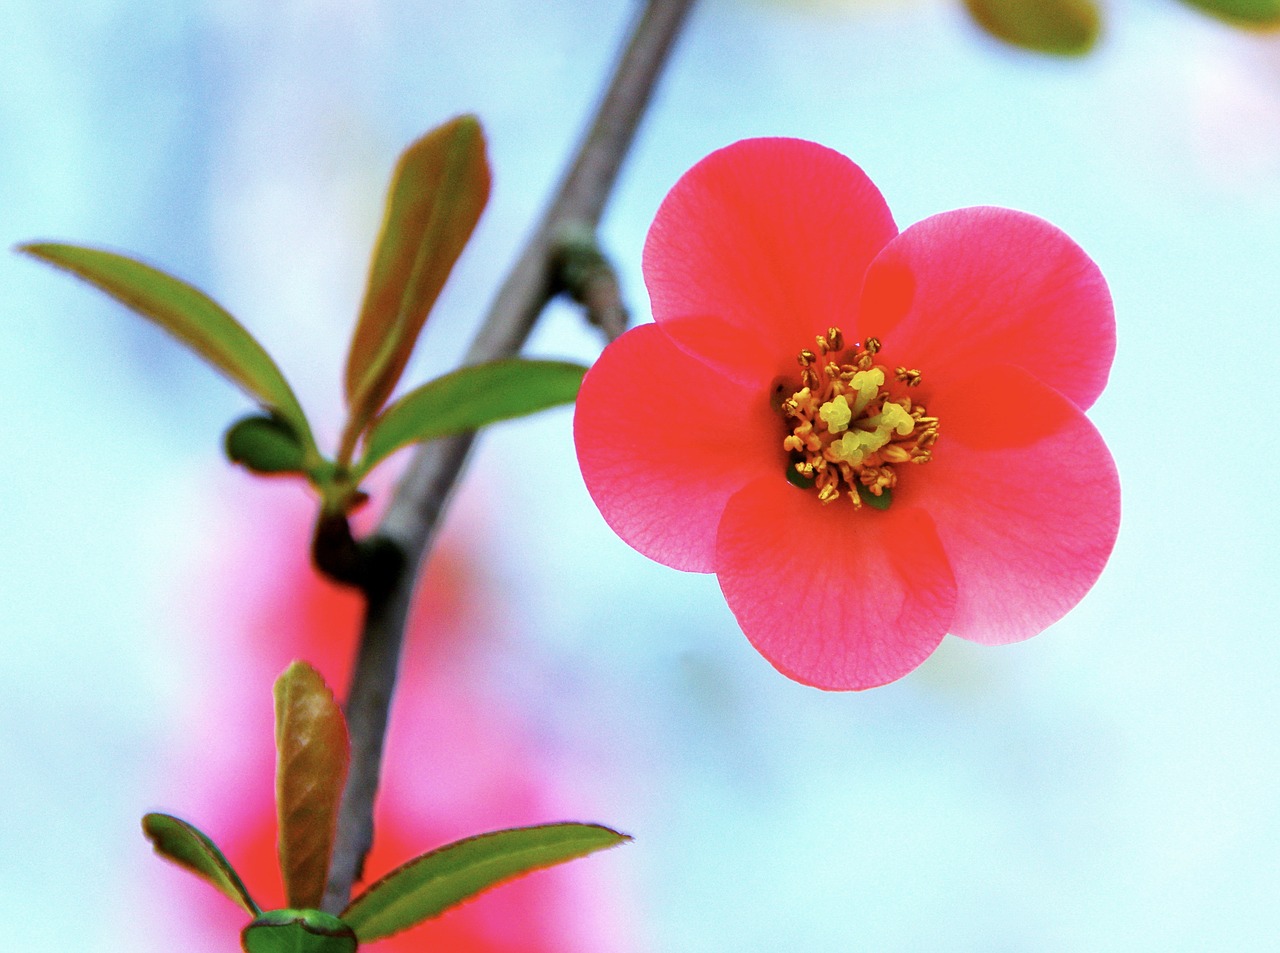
{"x": 438, "y": 190}
{"x": 467, "y": 399}
{"x": 1256, "y": 14}
{"x": 189, "y": 315}
{"x": 178, "y": 841}
{"x": 431, "y": 884}
{"x": 1061, "y": 27}
{"x": 298, "y": 931}
{"x": 311, "y": 768}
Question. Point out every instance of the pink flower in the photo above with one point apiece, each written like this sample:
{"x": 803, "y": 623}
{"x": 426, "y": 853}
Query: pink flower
{"x": 872, "y": 438}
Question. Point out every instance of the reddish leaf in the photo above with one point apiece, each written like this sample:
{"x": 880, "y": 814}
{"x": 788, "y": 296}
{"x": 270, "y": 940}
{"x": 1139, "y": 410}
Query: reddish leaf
{"x": 311, "y": 768}
{"x": 438, "y": 190}
{"x": 1061, "y": 27}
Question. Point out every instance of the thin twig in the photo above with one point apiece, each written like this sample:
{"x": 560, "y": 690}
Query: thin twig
{"x": 413, "y": 516}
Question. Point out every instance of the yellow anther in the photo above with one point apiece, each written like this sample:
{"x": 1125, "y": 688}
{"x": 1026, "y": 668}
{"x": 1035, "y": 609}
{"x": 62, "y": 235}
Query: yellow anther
{"x": 877, "y": 479}
{"x": 908, "y": 375}
{"x": 799, "y": 400}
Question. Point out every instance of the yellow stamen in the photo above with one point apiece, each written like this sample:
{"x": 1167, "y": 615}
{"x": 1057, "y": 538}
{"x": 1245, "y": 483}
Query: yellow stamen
{"x": 849, "y": 423}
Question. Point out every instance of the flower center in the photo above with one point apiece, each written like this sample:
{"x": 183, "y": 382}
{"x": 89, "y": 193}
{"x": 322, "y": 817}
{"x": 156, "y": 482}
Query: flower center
{"x": 847, "y": 430}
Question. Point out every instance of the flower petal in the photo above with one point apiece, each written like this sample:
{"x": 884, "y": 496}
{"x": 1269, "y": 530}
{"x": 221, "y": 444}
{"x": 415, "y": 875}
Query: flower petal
{"x": 728, "y": 352}
{"x": 833, "y": 597}
{"x": 981, "y": 286}
{"x": 1027, "y": 525}
{"x": 772, "y": 236}
{"x": 663, "y": 442}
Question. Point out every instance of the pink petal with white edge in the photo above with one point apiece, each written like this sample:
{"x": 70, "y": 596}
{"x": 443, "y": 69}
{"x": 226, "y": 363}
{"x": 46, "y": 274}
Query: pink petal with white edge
{"x": 1027, "y": 528}
{"x": 771, "y": 236}
{"x": 663, "y": 442}
{"x": 833, "y": 597}
{"x": 981, "y": 286}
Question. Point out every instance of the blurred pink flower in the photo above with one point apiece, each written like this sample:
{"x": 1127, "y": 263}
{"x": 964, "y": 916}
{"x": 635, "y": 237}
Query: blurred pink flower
{"x": 457, "y": 764}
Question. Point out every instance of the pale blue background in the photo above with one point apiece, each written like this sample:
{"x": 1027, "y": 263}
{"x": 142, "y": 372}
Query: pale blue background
{"x": 1111, "y": 785}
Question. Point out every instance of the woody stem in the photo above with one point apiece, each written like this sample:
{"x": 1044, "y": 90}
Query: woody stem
{"x": 409, "y": 526}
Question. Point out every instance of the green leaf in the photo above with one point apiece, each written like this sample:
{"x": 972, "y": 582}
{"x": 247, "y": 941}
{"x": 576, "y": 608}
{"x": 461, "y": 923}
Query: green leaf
{"x": 1061, "y": 27}
{"x": 879, "y": 501}
{"x": 1258, "y": 14}
{"x": 438, "y": 190}
{"x": 266, "y": 445}
{"x": 311, "y": 768}
{"x": 798, "y": 479}
{"x": 189, "y": 315}
{"x": 467, "y": 399}
{"x": 298, "y": 931}
{"x": 429, "y": 885}
{"x": 178, "y": 841}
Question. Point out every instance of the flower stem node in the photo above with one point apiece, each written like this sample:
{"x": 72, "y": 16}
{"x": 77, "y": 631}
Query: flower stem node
{"x": 847, "y": 428}
{"x": 298, "y": 931}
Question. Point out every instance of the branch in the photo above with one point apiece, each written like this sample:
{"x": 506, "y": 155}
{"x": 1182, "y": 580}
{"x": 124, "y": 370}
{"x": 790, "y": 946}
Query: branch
{"x": 410, "y": 523}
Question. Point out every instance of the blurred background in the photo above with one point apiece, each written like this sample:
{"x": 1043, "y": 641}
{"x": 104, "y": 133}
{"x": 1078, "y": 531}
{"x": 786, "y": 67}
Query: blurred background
{"x": 1113, "y": 784}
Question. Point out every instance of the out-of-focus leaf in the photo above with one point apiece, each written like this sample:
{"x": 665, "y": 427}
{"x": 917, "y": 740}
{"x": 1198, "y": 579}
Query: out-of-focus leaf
{"x": 298, "y": 931}
{"x": 468, "y": 398}
{"x": 438, "y": 190}
{"x": 1061, "y": 27}
{"x": 311, "y": 768}
{"x": 178, "y": 841}
{"x": 188, "y": 314}
{"x": 266, "y": 445}
{"x": 429, "y": 885}
{"x": 1259, "y": 14}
